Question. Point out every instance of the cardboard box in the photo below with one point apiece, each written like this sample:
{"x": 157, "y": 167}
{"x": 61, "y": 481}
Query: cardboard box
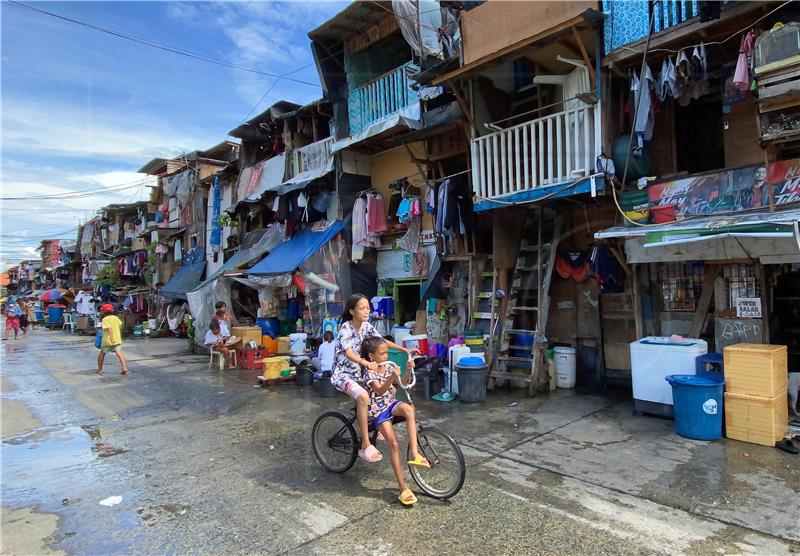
{"x": 247, "y": 333}
{"x": 755, "y": 419}
{"x": 756, "y": 370}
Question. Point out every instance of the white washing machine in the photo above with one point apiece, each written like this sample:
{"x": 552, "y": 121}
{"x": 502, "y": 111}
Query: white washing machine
{"x": 652, "y": 359}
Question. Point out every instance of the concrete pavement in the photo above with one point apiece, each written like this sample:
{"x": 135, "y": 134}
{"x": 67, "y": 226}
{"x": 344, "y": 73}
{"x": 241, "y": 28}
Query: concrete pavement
{"x": 207, "y": 463}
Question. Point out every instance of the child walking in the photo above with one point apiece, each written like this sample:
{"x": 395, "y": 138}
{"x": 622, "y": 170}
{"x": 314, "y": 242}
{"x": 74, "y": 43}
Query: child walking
{"x": 383, "y": 405}
{"x": 112, "y": 339}
{"x": 347, "y": 375}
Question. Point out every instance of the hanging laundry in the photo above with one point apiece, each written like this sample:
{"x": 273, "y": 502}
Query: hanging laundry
{"x": 643, "y": 107}
{"x": 742, "y": 76}
{"x": 573, "y": 264}
{"x": 359, "y": 226}
{"x": 410, "y": 241}
{"x": 419, "y": 263}
{"x": 606, "y": 270}
{"x": 178, "y": 254}
{"x": 376, "y": 214}
{"x": 255, "y": 176}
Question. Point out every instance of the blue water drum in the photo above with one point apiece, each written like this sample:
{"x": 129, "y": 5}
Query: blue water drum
{"x": 697, "y": 402}
{"x": 55, "y": 314}
{"x": 269, "y": 327}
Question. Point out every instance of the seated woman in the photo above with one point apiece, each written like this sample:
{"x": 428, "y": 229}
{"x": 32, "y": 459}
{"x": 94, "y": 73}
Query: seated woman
{"x": 383, "y": 405}
{"x": 216, "y": 341}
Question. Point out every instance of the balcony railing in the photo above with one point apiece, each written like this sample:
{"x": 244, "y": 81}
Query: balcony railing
{"x": 311, "y": 157}
{"x": 547, "y": 151}
{"x": 381, "y": 97}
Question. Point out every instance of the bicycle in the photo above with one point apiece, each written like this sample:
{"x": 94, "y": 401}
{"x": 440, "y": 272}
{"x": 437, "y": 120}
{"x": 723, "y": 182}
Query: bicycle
{"x": 336, "y": 442}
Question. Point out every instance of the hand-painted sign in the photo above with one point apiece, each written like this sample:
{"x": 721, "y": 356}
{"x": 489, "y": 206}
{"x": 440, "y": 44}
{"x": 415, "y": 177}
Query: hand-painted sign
{"x": 784, "y": 176}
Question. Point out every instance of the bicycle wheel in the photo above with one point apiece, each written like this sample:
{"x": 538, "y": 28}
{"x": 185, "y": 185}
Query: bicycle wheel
{"x": 334, "y": 441}
{"x": 447, "y": 472}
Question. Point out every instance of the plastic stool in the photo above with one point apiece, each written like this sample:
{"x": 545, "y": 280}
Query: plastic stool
{"x": 711, "y": 365}
{"x": 221, "y": 358}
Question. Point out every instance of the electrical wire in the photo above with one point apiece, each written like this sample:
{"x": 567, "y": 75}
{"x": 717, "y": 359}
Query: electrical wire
{"x": 83, "y": 193}
{"x": 167, "y": 48}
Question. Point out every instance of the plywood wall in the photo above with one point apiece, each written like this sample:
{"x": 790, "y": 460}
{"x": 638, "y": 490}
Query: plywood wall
{"x": 497, "y": 24}
{"x": 741, "y": 134}
{"x": 393, "y": 165}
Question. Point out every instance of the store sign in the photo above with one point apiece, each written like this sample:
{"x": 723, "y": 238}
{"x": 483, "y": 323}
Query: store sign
{"x": 729, "y": 190}
{"x": 784, "y": 176}
{"x": 748, "y": 307}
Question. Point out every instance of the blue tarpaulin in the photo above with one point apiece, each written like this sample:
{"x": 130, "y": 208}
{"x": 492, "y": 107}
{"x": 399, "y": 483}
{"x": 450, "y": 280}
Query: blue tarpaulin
{"x": 289, "y": 255}
{"x": 188, "y": 275}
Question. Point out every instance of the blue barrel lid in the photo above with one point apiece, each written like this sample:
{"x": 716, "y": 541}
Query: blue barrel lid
{"x": 693, "y": 380}
{"x": 471, "y": 362}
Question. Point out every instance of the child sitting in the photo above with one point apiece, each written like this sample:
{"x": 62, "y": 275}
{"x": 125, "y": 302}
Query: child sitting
{"x": 383, "y": 405}
{"x": 216, "y": 341}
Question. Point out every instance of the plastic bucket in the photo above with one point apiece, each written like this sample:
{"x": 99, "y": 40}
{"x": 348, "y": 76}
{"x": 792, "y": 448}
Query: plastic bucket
{"x": 325, "y": 387}
{"x": 697, "y": 402}
{"x": 472, "y": 380}
{"x": 270, "y": 344}
{"x": 663, "y": 214}
{"x": 304, "y": 375}
{"x": 565, "y": 366}
{"x": 297, "y": 343}
{"x": 137, "y": 330}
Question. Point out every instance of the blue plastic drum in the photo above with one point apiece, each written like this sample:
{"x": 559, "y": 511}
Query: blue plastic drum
{"x": 697, "y": 402}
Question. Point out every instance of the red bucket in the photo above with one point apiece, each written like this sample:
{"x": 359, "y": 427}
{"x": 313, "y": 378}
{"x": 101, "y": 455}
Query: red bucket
{"x": 663, "y": 214}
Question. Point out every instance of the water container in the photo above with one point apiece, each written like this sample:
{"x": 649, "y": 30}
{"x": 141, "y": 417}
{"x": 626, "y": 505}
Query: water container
{"x": 55, "y": 314}
{"x": 269, "y": 326}
{"x": 697, "y": 402}
{"x": 400, "y": 333}
{"x": 419, "y": 342}
{"x": 297, "y": 343}
{"x": 451, "y": 380}
{"x": 565, "y": 366}
{"x": 472, "y": 380}
{"x": 137, "y": 330}
{"x": 455, "y": 354}
{"x": 152, "y": 324}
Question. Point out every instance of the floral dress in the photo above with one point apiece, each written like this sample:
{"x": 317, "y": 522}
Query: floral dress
{"x": 380, "y": 405}
{"x": 346, "y": 372}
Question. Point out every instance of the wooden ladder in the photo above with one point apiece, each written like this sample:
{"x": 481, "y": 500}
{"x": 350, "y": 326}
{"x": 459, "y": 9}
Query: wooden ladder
{"x": 528, "y": 303}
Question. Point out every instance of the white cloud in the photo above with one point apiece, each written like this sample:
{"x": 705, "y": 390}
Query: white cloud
{"x": 80, "y": 131}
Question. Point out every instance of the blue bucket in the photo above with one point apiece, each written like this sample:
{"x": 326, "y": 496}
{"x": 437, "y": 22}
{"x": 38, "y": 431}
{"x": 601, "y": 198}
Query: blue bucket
{"x": 269, "y": 326}
{"x": 697, "y": 402}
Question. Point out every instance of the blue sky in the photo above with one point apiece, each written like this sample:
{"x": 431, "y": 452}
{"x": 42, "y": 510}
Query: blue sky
{"x": 83, "y": 109}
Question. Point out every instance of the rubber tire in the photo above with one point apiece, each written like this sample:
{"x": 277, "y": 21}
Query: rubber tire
{"x": 414, "y": 470}
{"x": 350, "y": 429}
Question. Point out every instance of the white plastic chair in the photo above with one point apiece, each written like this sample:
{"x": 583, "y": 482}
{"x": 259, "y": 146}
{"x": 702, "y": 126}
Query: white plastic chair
{"x": 220, "y": 358}
{"x": 69, "y": 322}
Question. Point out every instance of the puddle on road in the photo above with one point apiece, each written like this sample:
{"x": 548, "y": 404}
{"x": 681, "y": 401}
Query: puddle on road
{"x": 46, "y": 449}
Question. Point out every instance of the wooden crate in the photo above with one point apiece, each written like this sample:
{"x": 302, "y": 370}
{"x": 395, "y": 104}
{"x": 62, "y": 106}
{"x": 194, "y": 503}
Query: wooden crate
{"x": 756, "y": 370}
{"x": 756, "y": 420}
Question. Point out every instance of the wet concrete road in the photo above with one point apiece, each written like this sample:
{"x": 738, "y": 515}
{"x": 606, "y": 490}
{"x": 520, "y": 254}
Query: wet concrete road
{"x": 205, "y": 463}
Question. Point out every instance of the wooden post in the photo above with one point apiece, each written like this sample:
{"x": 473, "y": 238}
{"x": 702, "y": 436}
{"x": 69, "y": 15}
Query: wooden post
{"x": 765, "y": 296}
{"x": 462, "y": 103}
{"x": 585, "y": 55}
{"x": 703, "y": 304}
{"x": 637, "y": 301}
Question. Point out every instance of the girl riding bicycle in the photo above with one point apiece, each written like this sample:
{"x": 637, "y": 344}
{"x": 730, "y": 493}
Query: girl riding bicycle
{"x": 383, "y": 406}
{"x": 347, "y": 375}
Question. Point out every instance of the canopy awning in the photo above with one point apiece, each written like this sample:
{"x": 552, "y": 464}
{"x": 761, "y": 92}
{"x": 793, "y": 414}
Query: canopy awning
{"x": 289, "y": 255}
{"x": 256, "y": 180}
{"x": 187, "y": 277}
{"x": 408, "y": 116}
{"x": 771, "y": 238}
{"x": 254, "y": 246}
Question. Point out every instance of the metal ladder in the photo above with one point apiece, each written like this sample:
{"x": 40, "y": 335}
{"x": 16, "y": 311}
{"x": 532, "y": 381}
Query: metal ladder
{"x": 528, "y": 302}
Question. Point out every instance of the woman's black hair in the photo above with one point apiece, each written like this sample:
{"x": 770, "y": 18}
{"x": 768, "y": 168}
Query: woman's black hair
{"x": 349, "y": 306}
{"x": 370, "y": 345}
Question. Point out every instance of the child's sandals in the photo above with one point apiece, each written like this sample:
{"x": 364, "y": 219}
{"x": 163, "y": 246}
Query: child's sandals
{"x": 419, "y": 461}
{"x": 407, "y": 498}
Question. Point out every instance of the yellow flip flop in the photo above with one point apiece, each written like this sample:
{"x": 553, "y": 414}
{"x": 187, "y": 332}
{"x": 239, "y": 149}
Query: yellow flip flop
{"x": 407, "y": 498}
{"x": 419, "y": 461}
